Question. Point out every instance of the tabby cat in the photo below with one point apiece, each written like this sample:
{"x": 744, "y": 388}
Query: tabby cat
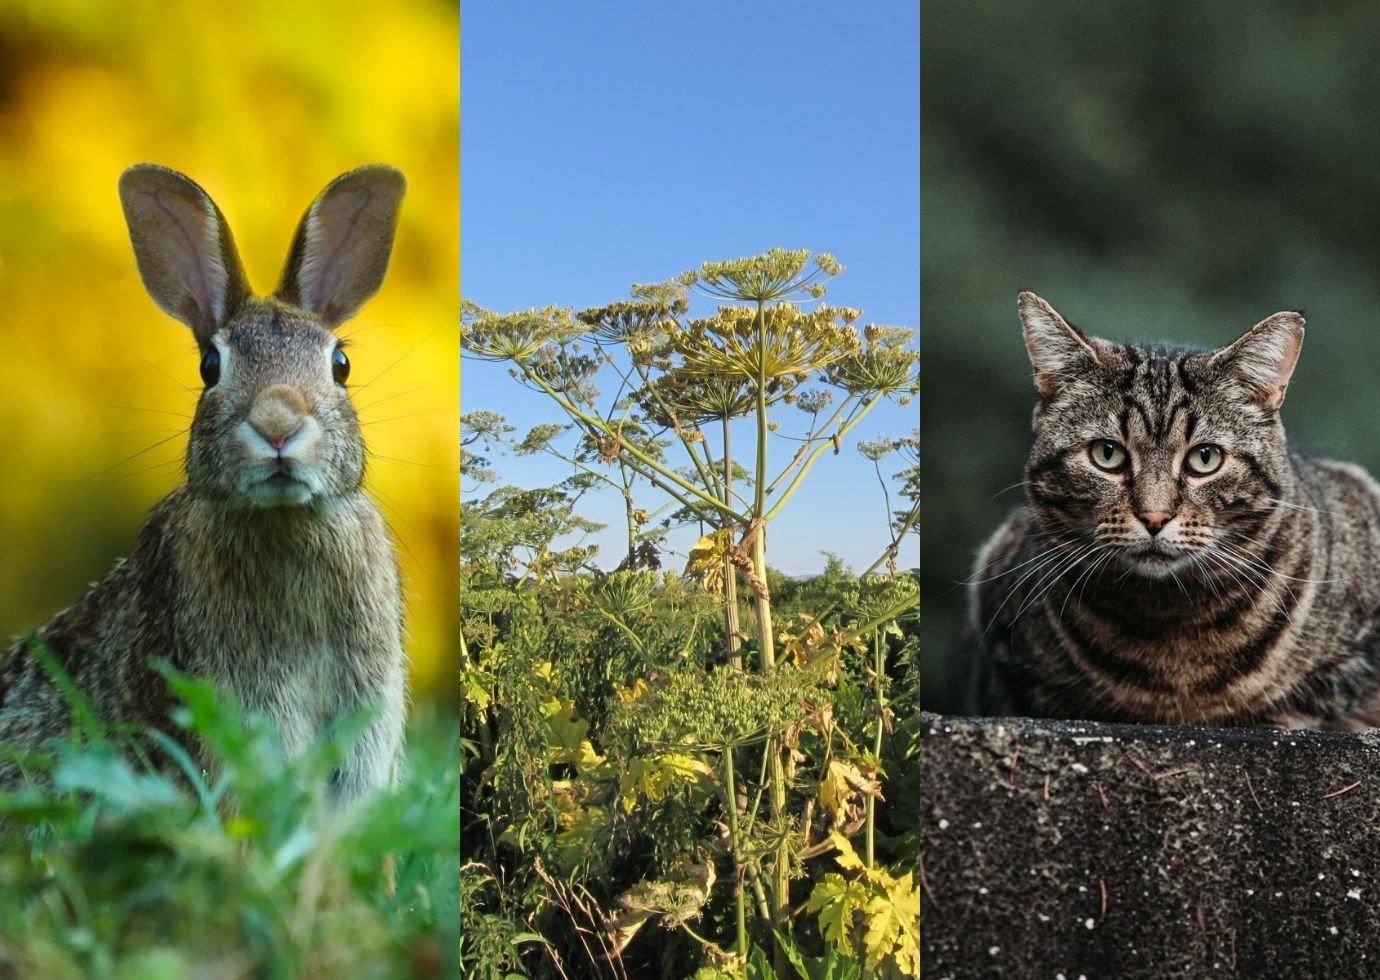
{"x": 1176, "y": 561}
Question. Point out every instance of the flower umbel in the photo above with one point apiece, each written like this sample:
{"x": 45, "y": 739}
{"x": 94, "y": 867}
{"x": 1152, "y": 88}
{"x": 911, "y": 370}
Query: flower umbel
{"x": 774, "y": 275}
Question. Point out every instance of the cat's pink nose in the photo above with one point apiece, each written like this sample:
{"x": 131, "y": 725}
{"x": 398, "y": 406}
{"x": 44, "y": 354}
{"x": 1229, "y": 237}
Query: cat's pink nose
{"x": 1155, "y": 520}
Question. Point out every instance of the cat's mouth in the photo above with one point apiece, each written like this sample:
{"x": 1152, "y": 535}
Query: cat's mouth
{"x": 1156, "y": 557}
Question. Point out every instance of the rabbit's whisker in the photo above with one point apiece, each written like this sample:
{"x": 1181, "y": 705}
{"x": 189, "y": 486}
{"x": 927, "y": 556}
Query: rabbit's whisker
{"x": 389, "y": 398}
{"x": 401, "y": 357}
{"x": 409, "y": 415}
{"x": 175, "y": 461}
{"x": 133, "y": 456}
{"x": 413, "y": 462}
{"x": 191, "y": 390}
{"x": 157, "y": 411}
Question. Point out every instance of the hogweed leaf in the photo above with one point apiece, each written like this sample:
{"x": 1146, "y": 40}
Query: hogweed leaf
{"x": 872, "y": 908}
{"x": 652, "y": 778}
{"x": 841, "y": 793}
{"x": 836, "y": 900}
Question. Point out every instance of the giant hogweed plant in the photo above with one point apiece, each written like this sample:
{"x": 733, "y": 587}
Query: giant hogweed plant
{"x": 679, "y": 383}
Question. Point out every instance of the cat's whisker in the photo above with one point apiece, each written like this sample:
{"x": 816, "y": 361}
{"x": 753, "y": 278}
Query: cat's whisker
{"x": 1052, "y": 556}
{"x": 1047, "y": 558}
{"x": 1088, "y": 566}
{"x": 1262, "y": 564}
{"x": 1199, "y": 561}
{"x": 1278, "y": 502}
{"x": 1105, "y": 561}
{"x": 1042, "y": 561}
{"x": 1220, "y": 566}
{"x": 1099, "y": 555}
{"x": 1014, "y": 568}
{"x": 1243, "y": 561}
{"x": 1125, "y": 574}
{"x": 1265, "y": 583}
{"x": 1245, "y": 578}
{"x": 1249, "y": 558}
{"x": 1257, "y": 562}
{"x": 1043, "y": 587}
{"x": 1262, "y": 573}
{"x": 1008, "y": 489}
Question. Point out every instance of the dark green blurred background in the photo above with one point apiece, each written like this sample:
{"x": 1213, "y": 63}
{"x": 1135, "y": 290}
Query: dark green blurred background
{"x": 1159, "y": 171}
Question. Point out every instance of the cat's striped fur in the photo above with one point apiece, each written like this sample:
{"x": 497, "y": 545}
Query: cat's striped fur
{"x": 1175, "y": 561}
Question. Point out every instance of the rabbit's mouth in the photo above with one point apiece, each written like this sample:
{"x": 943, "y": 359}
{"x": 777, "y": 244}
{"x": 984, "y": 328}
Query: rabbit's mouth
{"x": 282, "y": 480}
{"x": 281, "y": 486}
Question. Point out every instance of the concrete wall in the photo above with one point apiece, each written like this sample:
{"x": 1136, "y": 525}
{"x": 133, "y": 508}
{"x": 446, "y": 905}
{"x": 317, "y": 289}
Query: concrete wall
{"x": 1068, "y": 849}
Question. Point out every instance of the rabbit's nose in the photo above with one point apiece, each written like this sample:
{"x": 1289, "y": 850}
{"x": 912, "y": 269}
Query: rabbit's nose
{"x": 277, "y": 414}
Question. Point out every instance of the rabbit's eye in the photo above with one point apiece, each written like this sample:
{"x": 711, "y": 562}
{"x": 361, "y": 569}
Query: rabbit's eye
{"x": 210, "y": 367}
{"x": 340, "y": 366}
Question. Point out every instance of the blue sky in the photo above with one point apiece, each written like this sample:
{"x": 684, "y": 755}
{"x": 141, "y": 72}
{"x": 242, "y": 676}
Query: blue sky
{"x": 610, "y": 143}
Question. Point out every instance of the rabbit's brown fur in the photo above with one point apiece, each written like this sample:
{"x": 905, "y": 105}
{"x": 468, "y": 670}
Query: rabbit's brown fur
{"x": 270, "y": 572}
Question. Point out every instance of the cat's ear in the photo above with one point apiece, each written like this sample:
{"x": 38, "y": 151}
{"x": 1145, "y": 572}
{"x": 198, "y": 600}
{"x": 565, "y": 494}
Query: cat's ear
{"x": 1263, "y": 360}
{"x": 1058, "y": 350}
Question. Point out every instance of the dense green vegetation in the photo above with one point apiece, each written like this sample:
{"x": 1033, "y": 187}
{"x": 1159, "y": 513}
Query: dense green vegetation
{"x": 111, "y": 867}
{"x": 711, "y": 769}
{"x": 1171, "y": 171}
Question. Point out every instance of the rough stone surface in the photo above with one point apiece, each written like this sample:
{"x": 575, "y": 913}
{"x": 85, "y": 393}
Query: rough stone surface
{"x": 1076, "y": 849}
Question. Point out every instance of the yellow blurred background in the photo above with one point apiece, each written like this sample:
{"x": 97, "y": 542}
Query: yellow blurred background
{"x": 262, "y": 103}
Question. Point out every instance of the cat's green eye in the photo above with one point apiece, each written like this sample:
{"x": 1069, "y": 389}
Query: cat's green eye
{"x": 1108, "y": 455}
{"x": 1204, "y": 459}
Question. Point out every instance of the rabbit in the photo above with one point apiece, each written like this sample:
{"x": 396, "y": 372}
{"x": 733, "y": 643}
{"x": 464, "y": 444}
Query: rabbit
{"x": 269, "y": 572}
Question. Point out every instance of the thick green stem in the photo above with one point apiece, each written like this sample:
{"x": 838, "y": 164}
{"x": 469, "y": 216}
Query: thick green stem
{"x": 766, "y": 637}
{"x": 756, "y": 807}
{"x": 776, "y": 775}
{"x": 759, "y": 505}
{"x": 781, "y": 867}
{"x": 628, "y": 511}
{"x": 733, "y": 643}
{"x": 776, "y": 769}
{"x": 735, "y": 844}
{"x": 879, "y": 695}
{"x": 760, "y": 894}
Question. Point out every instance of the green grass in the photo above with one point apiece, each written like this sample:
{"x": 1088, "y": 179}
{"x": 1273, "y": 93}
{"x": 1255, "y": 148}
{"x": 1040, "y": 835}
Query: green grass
{"x": 112, "y": 868}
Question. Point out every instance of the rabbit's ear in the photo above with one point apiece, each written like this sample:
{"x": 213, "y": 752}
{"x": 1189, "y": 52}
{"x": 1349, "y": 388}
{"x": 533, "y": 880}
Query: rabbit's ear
{"x": 340, "y": 251}
{"x": 183, "y": 246}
